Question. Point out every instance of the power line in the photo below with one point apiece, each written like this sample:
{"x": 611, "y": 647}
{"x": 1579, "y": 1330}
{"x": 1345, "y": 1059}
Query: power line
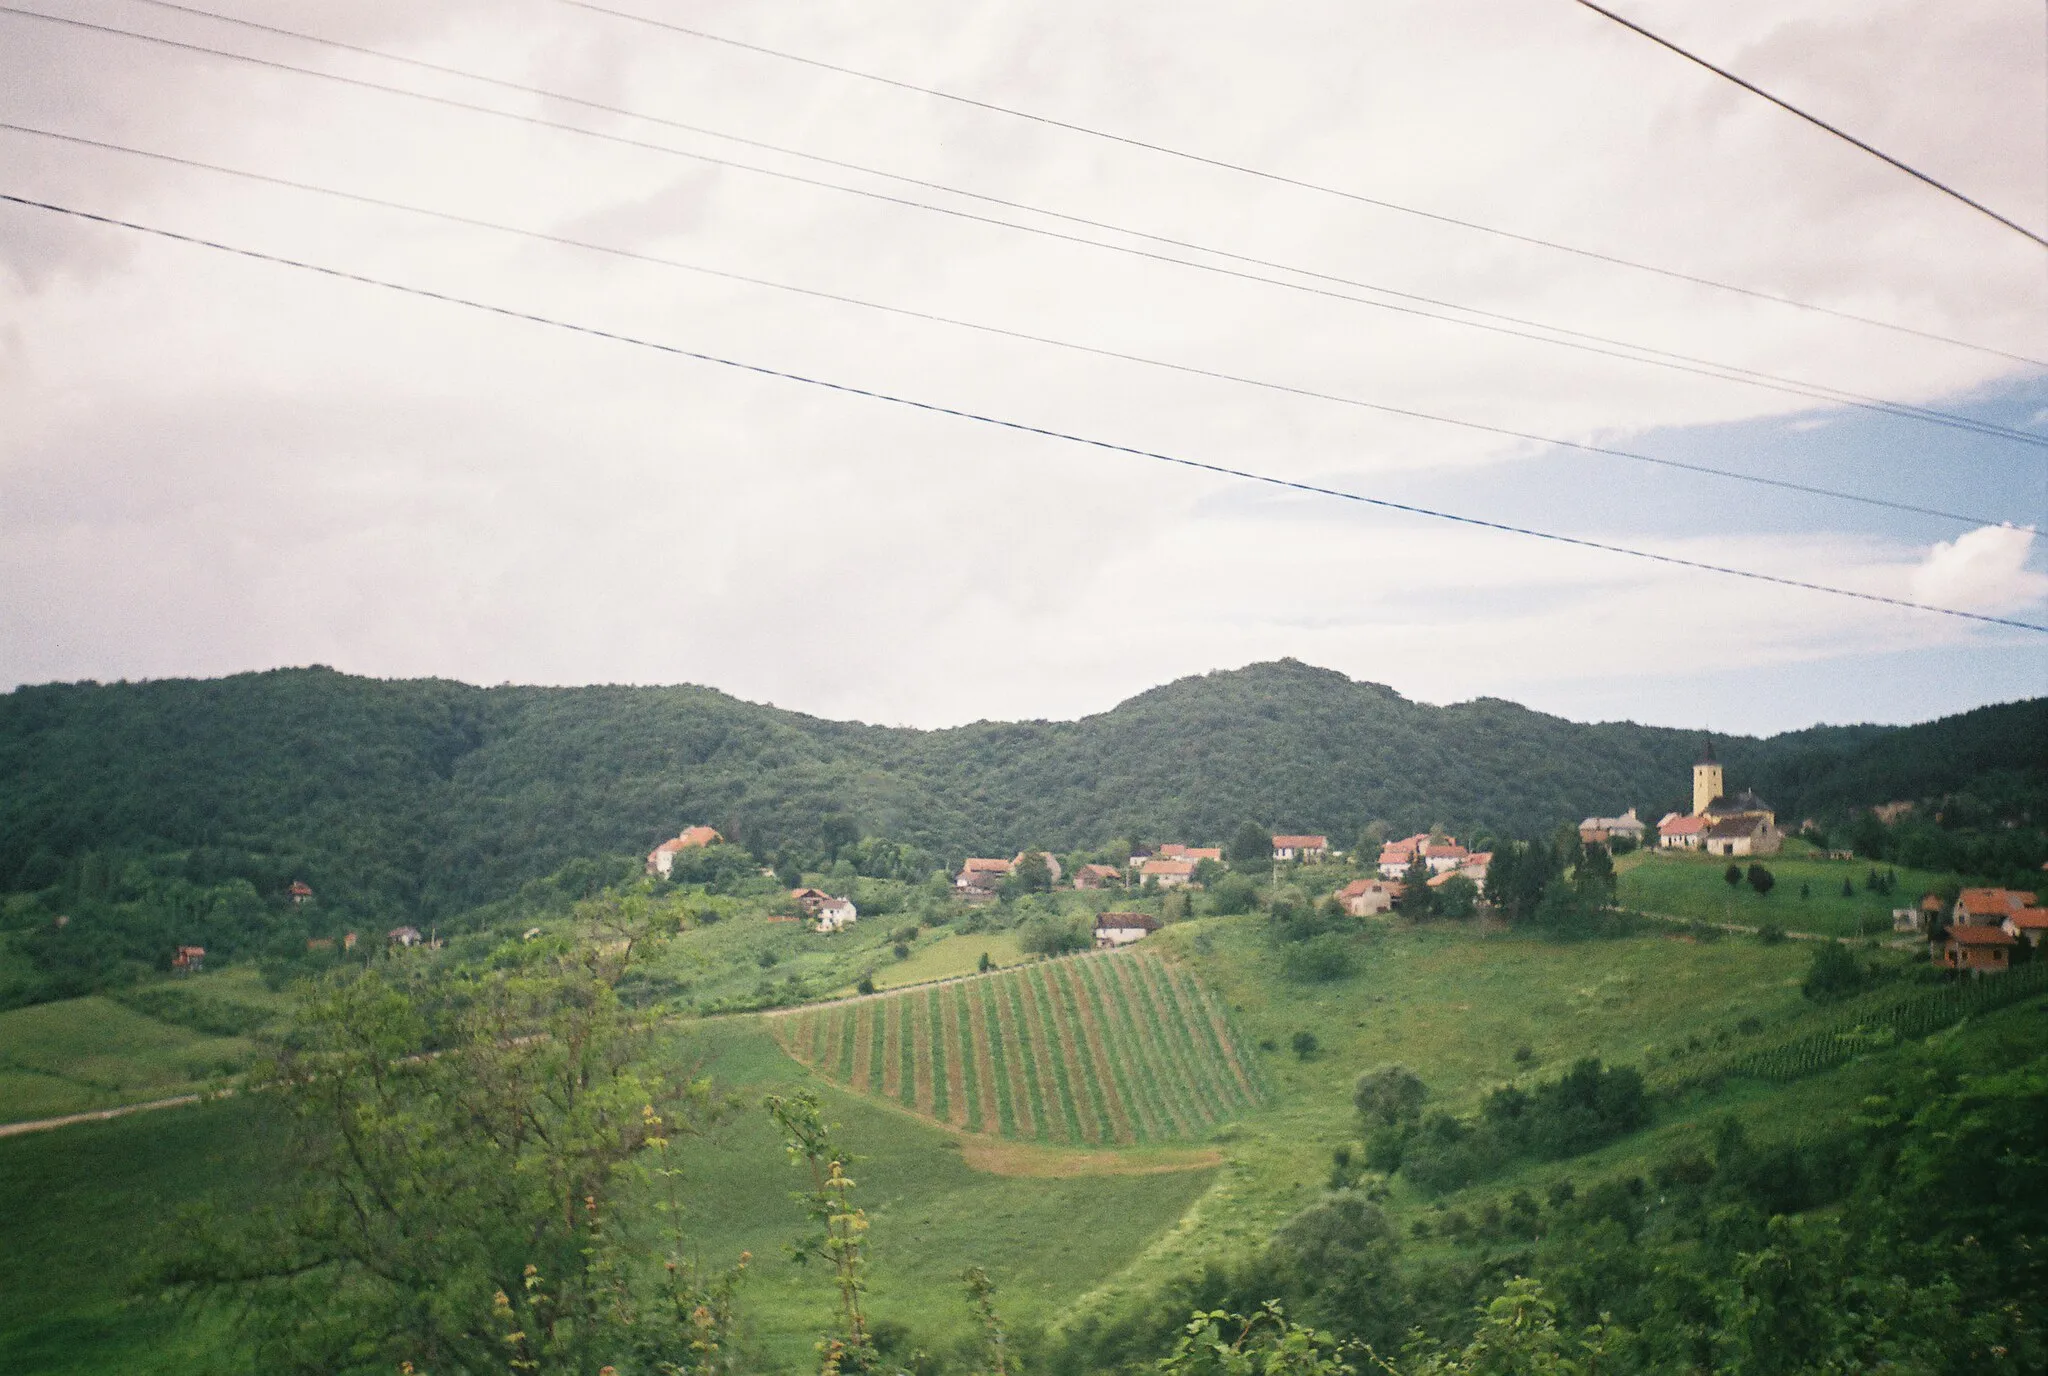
{"x": 1276, "y": 177}
{"x": 1579, "y": 340}
{"x": 997, "y": 330}
{"x": 1021, "y": 427}
{"x": 1816, "y": 122}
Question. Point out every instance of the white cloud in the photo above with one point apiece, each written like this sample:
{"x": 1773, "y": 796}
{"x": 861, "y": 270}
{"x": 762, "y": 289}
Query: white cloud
{"x": 210, "y": 464}
{"x": 1983, "y": 571}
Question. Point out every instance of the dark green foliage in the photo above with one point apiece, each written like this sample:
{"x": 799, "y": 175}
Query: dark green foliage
{"x": 1457, "y": 896}
{"x": 1318, "y": 960}
{"x": 1733, "y": 874}
{"x": 1049, "y": 934}
{"x": 1232, "y": 894}
{"x": 1032, "y": 874}
{"x": 1418, "y": 899}
{"x": 1762, "y": 880}
{"x": 1305, "y": 1044}
{"x": 1834, "y": 973}
{"x": 1389, "y": 1095}
{"x": 1250, "y": 844}
{"x": 1770, "y": 934}
{"x": 425, "y": 798}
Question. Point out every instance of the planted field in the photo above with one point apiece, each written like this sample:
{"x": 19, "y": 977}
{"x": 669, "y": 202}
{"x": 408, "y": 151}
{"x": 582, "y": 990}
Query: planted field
{"x": 1116, "y": 1049}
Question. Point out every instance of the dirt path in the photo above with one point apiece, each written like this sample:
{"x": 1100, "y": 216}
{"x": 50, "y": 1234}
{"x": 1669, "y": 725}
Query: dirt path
{"x": 1735, "y": 927}
{"x": 97, "y": 1115}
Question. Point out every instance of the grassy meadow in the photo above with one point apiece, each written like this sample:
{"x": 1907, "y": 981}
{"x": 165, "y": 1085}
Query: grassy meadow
{"x": 166, "y": 1039}
{"x": 1065, "y": 1220}
{"x": 1808, "y": 896}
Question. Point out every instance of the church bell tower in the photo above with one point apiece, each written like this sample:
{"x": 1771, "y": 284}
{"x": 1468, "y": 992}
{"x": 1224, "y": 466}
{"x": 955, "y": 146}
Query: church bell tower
{"x": 1706, "y": 779}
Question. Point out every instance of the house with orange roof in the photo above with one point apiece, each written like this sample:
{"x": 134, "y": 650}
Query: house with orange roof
{"x": 1989, "y": 907}
{"x": 2026, "y": 925}
{"x": 1097, "y": 876}
{"x": 1167, "y": 874}
{"x": 1980, "y": 950}
{"x": 1368, "y": 897}
{"x": 188, "y": 960}
{"x": 1678, "y": 832}
{"x": 1444, "y": 856}
{"x": 1302, "y": 848}
{"x": 300, "y": 891}
{"x": 980, "y": 876}
{"x": 662, "y": 858}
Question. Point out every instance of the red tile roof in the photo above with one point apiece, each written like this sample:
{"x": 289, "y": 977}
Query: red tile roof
{"x": 1980, "y": 936}
{"x": 1141, "y": 920}
{"x": 985, "y": 863}
{"x": 1303, "y": 842}
{"x": 1167, "y": 867}
{"x": 1993, "y": 902}
{"x": 2029, "y": 918}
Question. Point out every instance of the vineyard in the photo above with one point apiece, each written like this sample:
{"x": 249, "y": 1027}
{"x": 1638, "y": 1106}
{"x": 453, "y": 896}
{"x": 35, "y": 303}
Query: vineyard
{"x": 1112, "y": 1049}
{"x": 1884, "y": 1020}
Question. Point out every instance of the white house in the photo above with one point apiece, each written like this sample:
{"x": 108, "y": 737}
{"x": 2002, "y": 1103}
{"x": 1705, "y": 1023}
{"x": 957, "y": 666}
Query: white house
{"x": 1168, "y": 874}
{"x": 835, "y": 913}
{"x": 1303, "y": 848}
{"x": 1446, "y": 855}
{"x": 662, "y": 858}
{"x": 1121, "y": 929}
{"x": 1368, "y": 897}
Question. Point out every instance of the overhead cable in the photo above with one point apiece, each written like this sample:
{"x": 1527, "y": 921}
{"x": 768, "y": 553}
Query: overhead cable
{"x": 1816, "y": 121}
{"x": 996, "y": 330}
{"x": 1020, "y": 427}
{"x": 1263, "y": 174}
{"x": 1572, "y": 339}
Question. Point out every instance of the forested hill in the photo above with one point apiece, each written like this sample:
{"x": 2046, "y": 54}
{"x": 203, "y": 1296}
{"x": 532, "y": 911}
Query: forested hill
{"x": 429, "y": 795}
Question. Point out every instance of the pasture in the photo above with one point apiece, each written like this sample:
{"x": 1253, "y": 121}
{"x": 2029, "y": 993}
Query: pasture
{"x": 1807, "y": 897}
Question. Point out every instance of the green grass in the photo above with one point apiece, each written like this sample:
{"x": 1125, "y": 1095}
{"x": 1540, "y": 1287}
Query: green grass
{"x": 1072, "y": 1061}
{"x": 1169, "y": 1040}
{"x": 944, "y": 956}
{"x": 81, "y": 1054}
{"x": 1692, "y": 886}
{"x": 84, "y": 1207}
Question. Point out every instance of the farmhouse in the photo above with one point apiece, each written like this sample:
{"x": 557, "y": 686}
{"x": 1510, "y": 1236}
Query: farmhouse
{"x": 1174, "y": 850}
{"x": 980, "y": 876}
{"x": 300, "y": 891}
{"x": 1052, "y": 864}
{"x": 1444, "y": 856}
{"x": 1367, "y": 897}
{"x": 403, "y": 936}
{"x": 1627, "y": 827}
{"x": 1397, "y": 856}
{"x": 1303, "y": 848}
{"x": 1678, "y": 832}
{"x": 1167, "y": 874}
{"x": 1097, "y": 877}
{"x": 188, "y": 960}
{"x": 1746, "y": 833}
{"x": 1989, "y": 907}
{"x": 2026, "y": 925}
{"x": 663, "y": 857}
{"x": 836, "y": 913}
{"x": 1980, "y": 950}
{"x": 1121, "y": 929}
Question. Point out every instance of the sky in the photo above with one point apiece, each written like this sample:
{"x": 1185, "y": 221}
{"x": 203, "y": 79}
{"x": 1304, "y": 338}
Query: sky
{"x": 210, "y": 463}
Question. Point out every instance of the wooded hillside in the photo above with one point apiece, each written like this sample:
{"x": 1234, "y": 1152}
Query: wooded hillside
{"x": 432, "y": 796}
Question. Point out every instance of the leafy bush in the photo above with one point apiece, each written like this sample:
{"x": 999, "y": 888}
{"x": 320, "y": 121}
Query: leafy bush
{"x": 1318, "y": 960}
{"x": 1833, "y": 973}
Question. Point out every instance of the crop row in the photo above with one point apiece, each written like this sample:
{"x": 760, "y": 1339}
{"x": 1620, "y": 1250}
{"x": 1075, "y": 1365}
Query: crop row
{"x": 1873, "y": 1027}
{"x": 1115, "y": 1048}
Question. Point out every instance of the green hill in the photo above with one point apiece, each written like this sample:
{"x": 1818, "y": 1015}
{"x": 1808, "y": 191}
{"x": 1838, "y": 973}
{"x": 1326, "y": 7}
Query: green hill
{"x": 421, "y": 798}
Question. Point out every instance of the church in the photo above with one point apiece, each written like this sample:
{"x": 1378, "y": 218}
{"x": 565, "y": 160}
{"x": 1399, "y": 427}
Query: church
{"x": 1719, "y": 824}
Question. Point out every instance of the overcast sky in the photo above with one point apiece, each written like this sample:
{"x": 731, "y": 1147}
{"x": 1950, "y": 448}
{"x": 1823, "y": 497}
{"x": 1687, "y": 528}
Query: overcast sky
{"x": 210, "y": 464}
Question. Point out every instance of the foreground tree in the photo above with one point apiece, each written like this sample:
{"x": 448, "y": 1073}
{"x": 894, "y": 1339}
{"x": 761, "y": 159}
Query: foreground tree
{"x": 461, "y": 1143}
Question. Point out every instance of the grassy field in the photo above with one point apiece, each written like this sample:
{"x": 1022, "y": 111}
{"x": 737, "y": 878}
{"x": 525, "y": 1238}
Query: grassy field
{"x": 1688, "y": 885}
{"x": 943, "y": 955}
{"x": 1088, "y": 1059}
{"x": 1110, "y": 1050}
{"x": 80, "y": 1054}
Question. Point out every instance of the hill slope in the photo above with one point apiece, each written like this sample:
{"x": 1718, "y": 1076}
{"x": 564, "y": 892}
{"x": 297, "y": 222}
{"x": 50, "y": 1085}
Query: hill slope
{"x": 428, "y": 796}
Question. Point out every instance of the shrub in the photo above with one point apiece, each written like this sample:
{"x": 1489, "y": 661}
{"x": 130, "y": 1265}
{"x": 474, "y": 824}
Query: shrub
{"x": 866, "y": 984}
{"x": 1388, "y": 1095}
{"x": 1833, "y": 973}
{"x": 1770, "y": 934}
{"x": 1318, "y": 960}
{"x": 1305, "y": 1045}
{"x": 1762, "y": 880}
{"x": 900, "y": 951}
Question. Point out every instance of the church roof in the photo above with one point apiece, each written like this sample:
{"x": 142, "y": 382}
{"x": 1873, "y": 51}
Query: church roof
{"x": 1744, "y": 801}
{"x": 1707, "y": 753}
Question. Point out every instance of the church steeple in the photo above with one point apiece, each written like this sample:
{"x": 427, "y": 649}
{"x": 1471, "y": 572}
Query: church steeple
{"x": 1707, "y": 782}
